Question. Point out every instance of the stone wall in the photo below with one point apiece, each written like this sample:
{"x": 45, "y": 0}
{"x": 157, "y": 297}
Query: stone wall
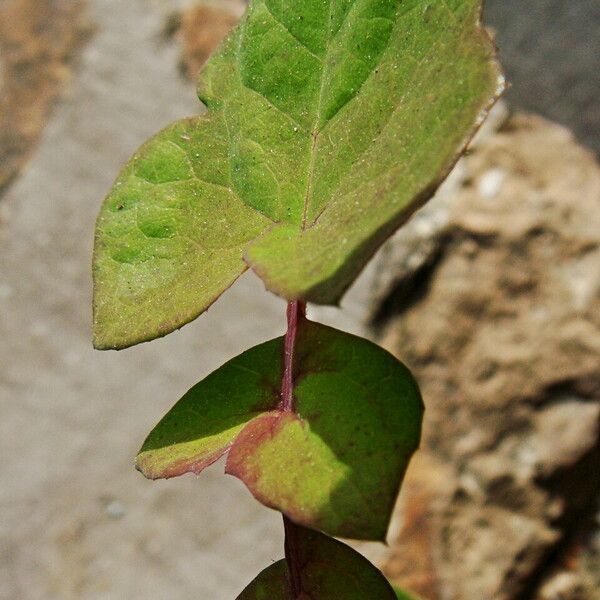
{"x": 495, "y": 305}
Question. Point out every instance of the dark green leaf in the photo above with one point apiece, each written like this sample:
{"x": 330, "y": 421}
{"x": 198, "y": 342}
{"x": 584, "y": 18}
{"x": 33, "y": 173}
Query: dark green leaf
{"x": 203, "y": 425}
{"x": 336, "y": 465}
{"x": 330, "y": 571}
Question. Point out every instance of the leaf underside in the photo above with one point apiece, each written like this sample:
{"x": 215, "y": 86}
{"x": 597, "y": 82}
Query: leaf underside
{"x": 335, "y": 465}
{"x": 329, "y": 122}
{"x": 329, "y": 570}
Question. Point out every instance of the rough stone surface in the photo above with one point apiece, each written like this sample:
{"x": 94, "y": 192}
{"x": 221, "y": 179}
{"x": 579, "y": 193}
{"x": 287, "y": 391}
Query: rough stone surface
{"x": 497, "y": 309}
{"x": 38, "y": 39}
{"x": 550, "y": 51}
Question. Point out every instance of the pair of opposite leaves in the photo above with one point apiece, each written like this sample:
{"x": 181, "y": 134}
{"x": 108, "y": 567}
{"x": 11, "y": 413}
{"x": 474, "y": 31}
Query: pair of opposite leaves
{"x": 329, "y": 122}
{"x": 334, "y": 464}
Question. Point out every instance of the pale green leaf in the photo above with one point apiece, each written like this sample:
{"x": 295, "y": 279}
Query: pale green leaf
{"x": 329, "y": 122}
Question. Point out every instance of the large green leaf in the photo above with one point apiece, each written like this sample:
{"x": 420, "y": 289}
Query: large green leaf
{"x": 336, "y": 464}
{"x": 329, "y": 570}
{"x": 329, "y": 122}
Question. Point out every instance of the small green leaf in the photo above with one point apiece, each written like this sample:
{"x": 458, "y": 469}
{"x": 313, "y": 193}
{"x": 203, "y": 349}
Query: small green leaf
{"x": 329, "y": 123}
{"x": 401, "y": 595}
{"x": 203, "y": 425}
{"x": 336, "y": 464}
{"x": 330, "y": 571}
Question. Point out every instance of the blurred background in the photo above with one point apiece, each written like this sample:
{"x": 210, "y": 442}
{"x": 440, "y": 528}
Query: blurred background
{"x": 491, "y": 294}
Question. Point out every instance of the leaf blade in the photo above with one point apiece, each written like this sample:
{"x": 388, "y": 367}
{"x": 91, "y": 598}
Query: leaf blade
{"x": 159, "y": 261}
{"x": 334, "y": 465}
{"x": 329, "y": 124}
{"x": 203, "y": 425}
{"x": 329, "y": 570}
{"x": 381, "y": 163}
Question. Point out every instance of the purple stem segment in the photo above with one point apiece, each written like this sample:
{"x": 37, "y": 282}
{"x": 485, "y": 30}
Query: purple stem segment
{"x": 296, "y": 312}
{"x": 292, "y": 557}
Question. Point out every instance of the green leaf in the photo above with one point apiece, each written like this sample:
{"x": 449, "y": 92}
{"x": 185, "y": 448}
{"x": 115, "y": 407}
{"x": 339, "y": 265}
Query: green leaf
{"x": 169, "y": 238}
{"x": 203, "y": 425}
{"x": 401, "y": 595}
{"x": 335, "y": 465}
{"x": 329, "y": 122}
{"x": 330, "y": 571}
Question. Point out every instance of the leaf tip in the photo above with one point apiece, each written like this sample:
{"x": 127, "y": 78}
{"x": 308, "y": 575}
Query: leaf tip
{"x": 142, "y": 467}
{"x": 100, "y": 343}
{"x": 155, "y": 467}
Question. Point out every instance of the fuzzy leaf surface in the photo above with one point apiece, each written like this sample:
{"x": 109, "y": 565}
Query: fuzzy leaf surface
{"x": 336, "y": 464}
{"x": 329, "y": 122}
{"x": 330, "y": 571}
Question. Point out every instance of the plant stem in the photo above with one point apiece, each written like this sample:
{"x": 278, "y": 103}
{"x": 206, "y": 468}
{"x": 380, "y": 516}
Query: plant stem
{"x": 296, "y": 311}
{"x": 292, "y": 557}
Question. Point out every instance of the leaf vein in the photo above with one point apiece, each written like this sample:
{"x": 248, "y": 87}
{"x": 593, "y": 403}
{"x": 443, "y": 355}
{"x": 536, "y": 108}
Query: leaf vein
{"x": 295, "y": 37}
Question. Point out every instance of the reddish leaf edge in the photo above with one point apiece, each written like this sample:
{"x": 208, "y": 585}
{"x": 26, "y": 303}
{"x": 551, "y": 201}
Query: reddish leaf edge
{"x": 257, "y": 431}
{"x": 183, "y": 467}
{"x": 260, "y": 428}
{"x": 263, "y": 429}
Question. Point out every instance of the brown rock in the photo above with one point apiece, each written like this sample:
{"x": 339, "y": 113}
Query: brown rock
{"x": 201, "y": 29}
{"x": 564, "y": 586}
{"x": 411, "y": 560}
{"x": 499, "y": 318}
{"x": 38, "y": 39}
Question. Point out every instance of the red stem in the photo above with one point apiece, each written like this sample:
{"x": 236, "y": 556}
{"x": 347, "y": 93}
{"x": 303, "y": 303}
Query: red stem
{"x": 296, "y": 312}
{"x": 292, "y": 556}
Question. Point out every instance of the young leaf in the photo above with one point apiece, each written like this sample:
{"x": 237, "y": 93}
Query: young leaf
{"x": 329, "y": 122}
{"x": 336, "y": 464}
{"x": 330, "y": 570}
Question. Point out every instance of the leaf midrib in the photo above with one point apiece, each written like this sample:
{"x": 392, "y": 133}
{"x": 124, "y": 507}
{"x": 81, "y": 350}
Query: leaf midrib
{"x": 314, "y": 130}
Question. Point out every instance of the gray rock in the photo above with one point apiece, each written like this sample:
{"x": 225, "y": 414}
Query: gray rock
{"x": 550, "y": 49}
